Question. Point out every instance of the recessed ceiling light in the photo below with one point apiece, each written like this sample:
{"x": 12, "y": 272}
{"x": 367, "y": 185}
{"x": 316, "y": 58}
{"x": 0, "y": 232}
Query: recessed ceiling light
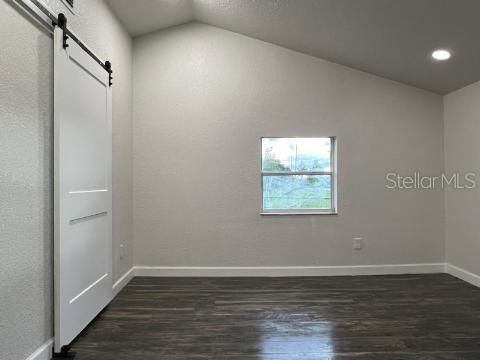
{"x": 441, "y": 55}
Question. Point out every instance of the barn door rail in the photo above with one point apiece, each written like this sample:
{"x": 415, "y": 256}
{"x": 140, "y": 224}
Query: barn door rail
{"x": 61, "y": 22}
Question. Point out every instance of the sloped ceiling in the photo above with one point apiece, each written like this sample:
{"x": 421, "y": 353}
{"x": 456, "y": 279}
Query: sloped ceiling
{"x": 389, "y": 38}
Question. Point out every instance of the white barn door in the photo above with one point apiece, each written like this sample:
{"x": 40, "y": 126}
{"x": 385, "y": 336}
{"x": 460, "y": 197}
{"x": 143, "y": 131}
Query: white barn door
{"x": 83, "y": 189}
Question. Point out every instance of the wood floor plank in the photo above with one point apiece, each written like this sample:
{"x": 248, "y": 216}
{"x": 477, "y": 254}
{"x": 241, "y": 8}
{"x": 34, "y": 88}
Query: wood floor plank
{"x": 398, "y": 317}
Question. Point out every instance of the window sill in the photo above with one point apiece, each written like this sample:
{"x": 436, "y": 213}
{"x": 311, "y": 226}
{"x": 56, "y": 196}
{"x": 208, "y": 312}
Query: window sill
{"x": 273, "y": 213}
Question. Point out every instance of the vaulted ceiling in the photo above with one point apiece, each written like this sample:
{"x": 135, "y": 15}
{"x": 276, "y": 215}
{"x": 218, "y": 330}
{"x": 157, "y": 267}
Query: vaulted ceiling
{"x": 389, "y": 38}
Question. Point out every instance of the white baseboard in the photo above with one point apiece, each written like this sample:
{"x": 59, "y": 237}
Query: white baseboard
{"x": 167, "y": 271}
{"x": 462, "y": 274}
{"x": 124, "y": 280}
{"x": 44, "y": 352}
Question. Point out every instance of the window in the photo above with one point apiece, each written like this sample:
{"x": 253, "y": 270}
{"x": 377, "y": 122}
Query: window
{"x": 298, "y": 175}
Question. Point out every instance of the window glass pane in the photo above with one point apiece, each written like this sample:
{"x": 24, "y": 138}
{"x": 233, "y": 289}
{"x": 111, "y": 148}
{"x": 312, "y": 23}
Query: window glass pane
{"x": 296, "y": 154}
{"x": 297, "y": 192}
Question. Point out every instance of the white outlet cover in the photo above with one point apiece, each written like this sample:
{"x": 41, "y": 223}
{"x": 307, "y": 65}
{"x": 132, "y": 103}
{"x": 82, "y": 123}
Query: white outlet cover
{"x": 357, "y": 243}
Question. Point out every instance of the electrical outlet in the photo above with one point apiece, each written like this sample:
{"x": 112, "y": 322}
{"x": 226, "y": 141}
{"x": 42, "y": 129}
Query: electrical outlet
{"x": 122, "y": 253}
{"x": 357, "y": 243}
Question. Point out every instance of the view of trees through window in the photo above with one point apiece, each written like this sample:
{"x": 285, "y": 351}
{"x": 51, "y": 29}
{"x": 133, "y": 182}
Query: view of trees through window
{"x": 297, "y": 173}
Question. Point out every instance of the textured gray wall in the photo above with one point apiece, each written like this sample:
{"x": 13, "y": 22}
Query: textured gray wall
{"x": 203, "y": 97}
{"x": 462, "y": 149}
{"x": 26, "y": 164}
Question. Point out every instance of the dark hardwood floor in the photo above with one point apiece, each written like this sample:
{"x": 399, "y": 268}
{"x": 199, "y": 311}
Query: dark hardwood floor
{"x": 400, "y": 317}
